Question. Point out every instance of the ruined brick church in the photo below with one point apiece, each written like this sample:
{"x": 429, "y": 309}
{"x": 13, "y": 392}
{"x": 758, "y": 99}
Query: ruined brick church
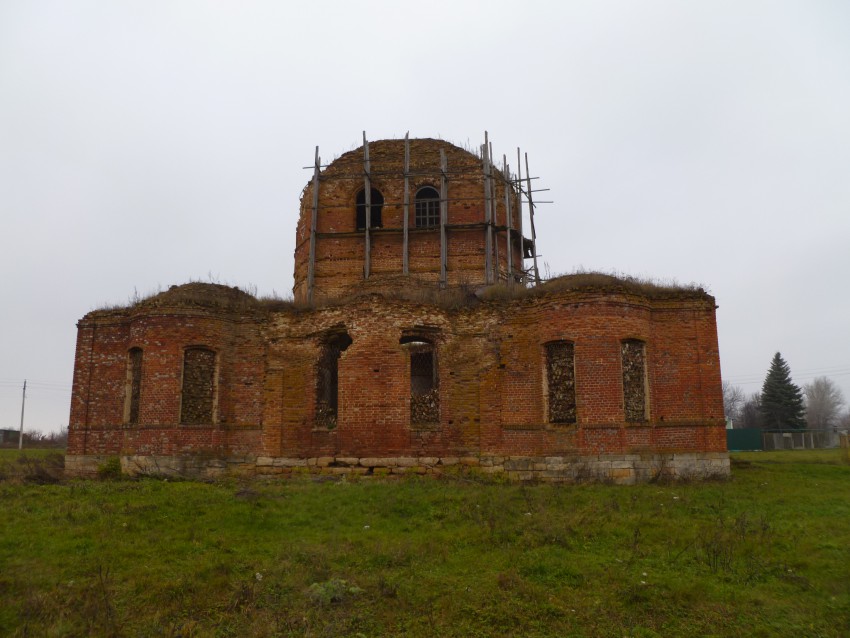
{"x": 417, "y": 341}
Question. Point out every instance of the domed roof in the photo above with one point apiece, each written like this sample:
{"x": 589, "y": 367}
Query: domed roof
{"x": 202, "y": 295}
{"x": 389, "y": 154}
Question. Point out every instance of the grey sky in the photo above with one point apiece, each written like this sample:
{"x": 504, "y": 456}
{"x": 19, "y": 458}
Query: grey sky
{"x": 148, "y": 143}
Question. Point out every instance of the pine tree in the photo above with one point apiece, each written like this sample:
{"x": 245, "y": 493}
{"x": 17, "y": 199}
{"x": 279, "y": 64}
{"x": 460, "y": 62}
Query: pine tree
{"x": 782, "y": 400}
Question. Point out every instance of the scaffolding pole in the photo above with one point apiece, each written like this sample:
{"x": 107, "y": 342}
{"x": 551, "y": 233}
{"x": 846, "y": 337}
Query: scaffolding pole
{"x": 405, "y": 260}
{"x": 444, "y": 214}
{"x": 495, "y": 200}
{"x": 509, "y": 223}
{"x": 367, "y": 254}
{"x": 519, "y": 210}
{"x": 531, "y": 220}
{"x": 488, "y": 218}
{"x": 311, "y": 265}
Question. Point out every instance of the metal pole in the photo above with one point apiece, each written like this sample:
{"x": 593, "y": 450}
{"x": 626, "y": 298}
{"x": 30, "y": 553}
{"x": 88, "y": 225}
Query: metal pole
{"x": 509, "y": 222}
{"x": 495, "y": 204}
{"x": 23, "y": 403}
{"x": 368, "y": 245}
{"x": 488, "y": 230}
{"x": 444, "y": 193}
{"x": 405, "y": 259}
{"x": 311, "y": 265}
{"x": 531, "y": 219}
{"x": 519, "y": 211}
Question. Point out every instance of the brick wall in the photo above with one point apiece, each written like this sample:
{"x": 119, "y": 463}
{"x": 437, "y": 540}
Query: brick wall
{"x": 491, "y": 364}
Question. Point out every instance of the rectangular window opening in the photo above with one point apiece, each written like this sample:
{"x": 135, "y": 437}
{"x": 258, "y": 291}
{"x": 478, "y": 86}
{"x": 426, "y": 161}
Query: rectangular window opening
{"x": 198, "y": 398}
{"x": 560, "y": 377}
{"x": 134, "y": 386}
{"x": 634, "y": 381}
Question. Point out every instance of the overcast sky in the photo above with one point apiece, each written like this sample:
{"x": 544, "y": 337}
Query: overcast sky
{"x": 149, "y": 143}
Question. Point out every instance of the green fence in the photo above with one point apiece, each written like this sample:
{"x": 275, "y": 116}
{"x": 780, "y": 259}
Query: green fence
{"x": 744, "y": 439}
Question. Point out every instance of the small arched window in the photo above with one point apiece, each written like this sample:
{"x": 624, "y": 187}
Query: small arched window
{"x": 376, "y": 205}
{"x": 427, "y": 207}
{"x": 134, "y": 386}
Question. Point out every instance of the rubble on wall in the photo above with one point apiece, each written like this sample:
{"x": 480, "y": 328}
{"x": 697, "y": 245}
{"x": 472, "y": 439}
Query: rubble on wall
{"x": 198, "y": 384}
{"x": 425, "y": 408}
{"x": 634, "y": 380}
{"x": 560, "y": 375}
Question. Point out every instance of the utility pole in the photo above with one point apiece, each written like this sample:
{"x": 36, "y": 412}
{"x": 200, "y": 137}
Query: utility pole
{"x": 23, "y": 403}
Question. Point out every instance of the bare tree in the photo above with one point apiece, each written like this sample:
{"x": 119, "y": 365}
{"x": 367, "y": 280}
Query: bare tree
{"x": 750, "y": 414}
{"x": 733, "y": 400}
{"x": 824, "y": 400}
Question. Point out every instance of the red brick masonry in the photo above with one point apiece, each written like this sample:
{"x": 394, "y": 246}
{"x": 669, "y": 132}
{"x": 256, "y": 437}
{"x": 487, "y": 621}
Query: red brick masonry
{"x": 490, "y": 358}
{"x": 206, "y": 379}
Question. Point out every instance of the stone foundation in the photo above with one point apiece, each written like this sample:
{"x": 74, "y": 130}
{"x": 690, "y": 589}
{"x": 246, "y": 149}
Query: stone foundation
{"x": 621, "y": 469}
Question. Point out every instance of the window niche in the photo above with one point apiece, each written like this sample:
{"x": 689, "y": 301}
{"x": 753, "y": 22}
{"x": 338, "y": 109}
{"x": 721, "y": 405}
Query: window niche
{"x": 634, "y": 381}
{"x": 424, "y": 385}
{"x": 427, "y": 207}
{"x": 561, "y": 382}
{"x": 197, "y": 405}
{"x": 133, "y": 386}
{"x": 376, "y": 205}
{"x": 327, "y": 379}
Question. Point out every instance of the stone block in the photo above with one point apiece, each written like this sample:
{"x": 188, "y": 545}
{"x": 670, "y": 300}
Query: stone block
{"x": 290, "y": 462}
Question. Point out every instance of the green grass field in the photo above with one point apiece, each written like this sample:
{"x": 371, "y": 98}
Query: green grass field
{"x": 765, "y": 554}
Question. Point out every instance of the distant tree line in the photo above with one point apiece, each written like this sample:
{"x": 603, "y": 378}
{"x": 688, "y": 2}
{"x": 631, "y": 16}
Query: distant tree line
{"x": 783, "y": 405}
{"x": 38, "y": 439}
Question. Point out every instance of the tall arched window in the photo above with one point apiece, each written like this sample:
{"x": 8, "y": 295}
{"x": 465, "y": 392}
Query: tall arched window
{"x": 427, "y": 205}
{"x": 327, "y": 380}
{"x": 134, "y": 386}
{"x": 424, "y": 381}
{"x": 376, "y": 204}
{"x": 197, "y": 406}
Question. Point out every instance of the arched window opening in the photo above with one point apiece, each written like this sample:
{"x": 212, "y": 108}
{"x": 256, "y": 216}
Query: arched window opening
{"x": 134, "y": 386}
{"x": 327, "y": 380}
{"x": 424, "y": 386}
{"x": 376, "y": 205}
{"x": 198, "y": 395}
{"x": 634, "y": 381}
{"x": 427, "y": 207}
{"x": 561, "y": 381}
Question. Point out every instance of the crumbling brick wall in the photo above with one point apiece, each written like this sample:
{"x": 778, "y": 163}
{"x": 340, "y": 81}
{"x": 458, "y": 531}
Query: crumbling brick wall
{"x": 492, "y": 370}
